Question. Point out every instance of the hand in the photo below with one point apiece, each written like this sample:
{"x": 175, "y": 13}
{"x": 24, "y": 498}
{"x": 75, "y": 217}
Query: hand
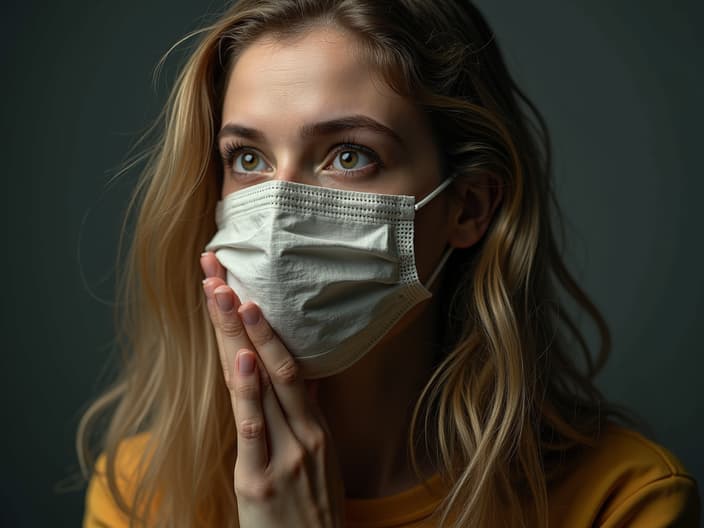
{"x": 286, "y": 471}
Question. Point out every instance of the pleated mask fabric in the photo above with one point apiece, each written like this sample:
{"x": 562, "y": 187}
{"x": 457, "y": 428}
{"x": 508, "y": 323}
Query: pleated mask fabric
{"x": 332, "y": 270}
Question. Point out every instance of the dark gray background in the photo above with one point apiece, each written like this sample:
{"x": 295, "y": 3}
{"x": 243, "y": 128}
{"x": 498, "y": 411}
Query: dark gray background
{"x": 619, "y": 83}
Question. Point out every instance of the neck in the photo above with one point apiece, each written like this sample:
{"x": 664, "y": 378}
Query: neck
{"x": 368, "y": 408}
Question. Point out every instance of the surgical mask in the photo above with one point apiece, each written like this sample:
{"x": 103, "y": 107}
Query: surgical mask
{"x": 332, "y": 270}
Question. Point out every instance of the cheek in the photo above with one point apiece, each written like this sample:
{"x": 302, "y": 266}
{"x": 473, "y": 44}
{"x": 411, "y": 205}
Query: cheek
{"x": 430, "y": 244}
{"x": 228, "y": 187}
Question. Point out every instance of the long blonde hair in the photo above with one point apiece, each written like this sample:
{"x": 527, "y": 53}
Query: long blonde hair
{"x": 506, "y": 400}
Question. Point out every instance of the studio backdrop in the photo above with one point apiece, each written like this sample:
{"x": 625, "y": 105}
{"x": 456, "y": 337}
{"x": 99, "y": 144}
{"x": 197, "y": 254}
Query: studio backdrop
{"x": 619, "y": 84}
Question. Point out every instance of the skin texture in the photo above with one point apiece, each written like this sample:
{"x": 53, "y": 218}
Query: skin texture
{"x": 277, "y": 87}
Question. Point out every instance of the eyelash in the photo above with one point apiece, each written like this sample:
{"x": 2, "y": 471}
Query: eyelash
{"x": 231, "y": 149}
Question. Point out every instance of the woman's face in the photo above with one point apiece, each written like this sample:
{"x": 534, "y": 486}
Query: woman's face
{"x": 312, "y": 111}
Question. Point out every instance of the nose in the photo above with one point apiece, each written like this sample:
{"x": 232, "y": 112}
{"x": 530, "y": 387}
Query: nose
{"x": 293, "y": 170}
{"x": 291, "y": 174}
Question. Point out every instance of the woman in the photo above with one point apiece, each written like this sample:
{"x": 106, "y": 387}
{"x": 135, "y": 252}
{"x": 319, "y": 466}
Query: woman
{"x": 379, "y": 338}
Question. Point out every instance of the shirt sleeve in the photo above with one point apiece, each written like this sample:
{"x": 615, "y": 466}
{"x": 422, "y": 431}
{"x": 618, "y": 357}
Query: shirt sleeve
{"x": 101, "y": 511}
{"x": 669, "y": 502}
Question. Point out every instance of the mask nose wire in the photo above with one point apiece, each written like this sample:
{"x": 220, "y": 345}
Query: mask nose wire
{"x": 432, "y": 194}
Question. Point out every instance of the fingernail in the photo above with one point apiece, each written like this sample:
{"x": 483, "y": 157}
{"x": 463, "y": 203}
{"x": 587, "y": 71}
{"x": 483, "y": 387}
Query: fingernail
{"x": 210, "y": 269}
{"x": 250, "y": 315}
{"x": 245, "y": 363}
{"x": 224, "y": 299}
{"x": 208, "y": 287}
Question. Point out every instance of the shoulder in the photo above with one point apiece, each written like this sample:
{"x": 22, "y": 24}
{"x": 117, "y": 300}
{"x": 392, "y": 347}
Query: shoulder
{"x": 626, "y": 479}
{"x": 101, "y": 508}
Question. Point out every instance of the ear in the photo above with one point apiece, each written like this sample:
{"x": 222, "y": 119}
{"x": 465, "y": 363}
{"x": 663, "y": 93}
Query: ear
{"x": 472, "y": 207}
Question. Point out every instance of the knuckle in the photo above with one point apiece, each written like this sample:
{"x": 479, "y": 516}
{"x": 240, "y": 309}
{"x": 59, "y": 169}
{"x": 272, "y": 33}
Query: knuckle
{"x": 296, "y": 462}
{"x": 263, "y": 335}
{"x": 287, "y": 372}
{"x": 254, "y": 489}
{"x": 247, "y": 391}
{"x": 231, "y": 327}
{"x": 251, "y": 428}
{"x": 316, "y": 441}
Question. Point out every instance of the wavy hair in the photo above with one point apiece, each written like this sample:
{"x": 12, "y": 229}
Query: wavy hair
{"x": 507, "y": 399}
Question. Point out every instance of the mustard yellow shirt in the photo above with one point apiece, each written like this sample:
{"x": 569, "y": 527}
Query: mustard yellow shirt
{"x": 627, "y": 480}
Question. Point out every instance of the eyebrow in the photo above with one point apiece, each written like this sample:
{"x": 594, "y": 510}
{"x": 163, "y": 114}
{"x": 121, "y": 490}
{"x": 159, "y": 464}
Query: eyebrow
{"x": 323, "y": 128}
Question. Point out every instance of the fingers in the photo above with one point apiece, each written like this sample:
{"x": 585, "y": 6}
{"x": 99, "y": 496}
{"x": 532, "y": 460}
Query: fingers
{"x": 208, "y": 286}
{"x": 275, "y": 415}
{"x": 229, "y": 335}
{"x": 252, "y": 455}
{"x": 281, "y": 390}
{"x": 232, "y": 338}
{"x": 215, "y": 276}
{"x": 211, "y": 266}
{"x": 284, "y": 372}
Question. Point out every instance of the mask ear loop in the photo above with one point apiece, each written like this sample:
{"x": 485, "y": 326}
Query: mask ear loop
{"x": 434, "y": 192}
{"x": 439, "y": 267}
{"x": 448, "y": 251}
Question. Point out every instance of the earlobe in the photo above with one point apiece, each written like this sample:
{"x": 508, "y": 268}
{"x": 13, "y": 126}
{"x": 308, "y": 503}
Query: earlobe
{"x": 472, "y": 209}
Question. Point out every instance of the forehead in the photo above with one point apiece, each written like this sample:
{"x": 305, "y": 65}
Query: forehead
{"x": 315, "y": 76}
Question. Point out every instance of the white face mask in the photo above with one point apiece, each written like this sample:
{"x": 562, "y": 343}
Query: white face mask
{"x": 332, "y": 270}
